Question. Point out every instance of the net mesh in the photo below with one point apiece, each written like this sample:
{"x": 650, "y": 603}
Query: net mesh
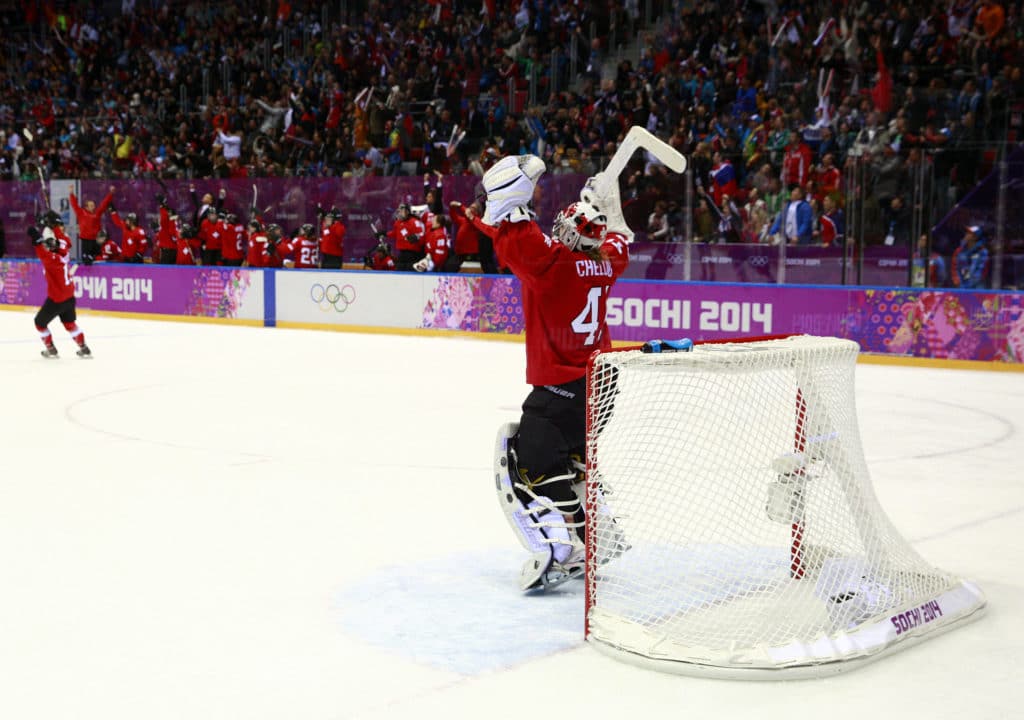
{"x": 735, "y": 477}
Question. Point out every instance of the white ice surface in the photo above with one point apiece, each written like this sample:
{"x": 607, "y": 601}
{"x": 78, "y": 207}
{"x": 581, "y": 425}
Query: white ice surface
{"x": 218, "y": 522}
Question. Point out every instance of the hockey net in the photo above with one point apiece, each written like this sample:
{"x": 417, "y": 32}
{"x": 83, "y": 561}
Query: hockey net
{"x": 732, "y": 529}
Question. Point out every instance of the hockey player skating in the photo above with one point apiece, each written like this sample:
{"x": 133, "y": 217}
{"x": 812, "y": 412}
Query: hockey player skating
{"x": 565, "y": 281}
{"x": 60, "y": 290}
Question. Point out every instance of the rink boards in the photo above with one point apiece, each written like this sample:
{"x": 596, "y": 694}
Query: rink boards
{"x": 936, "y": 325}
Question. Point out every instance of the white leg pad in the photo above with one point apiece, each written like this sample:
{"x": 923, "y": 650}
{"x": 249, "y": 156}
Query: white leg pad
{"x": 539, "y": 526}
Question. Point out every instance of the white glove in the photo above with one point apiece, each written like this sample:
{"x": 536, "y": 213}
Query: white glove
{"x": 602, "y": 191}
{"x": 424, "y": 265}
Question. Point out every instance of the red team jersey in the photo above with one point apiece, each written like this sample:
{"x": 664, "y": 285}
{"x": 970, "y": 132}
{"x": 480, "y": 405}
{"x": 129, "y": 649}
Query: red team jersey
{"x": 234, "y": 243}
{"x": 305, "y": 252}
{"x": 167, "y": 235}
{"x": 403, "y": 230}
{"x": 467, "y": 237}
{"x": 332, "y": 239}
{"x": 183, "y": 251}
{"x": 59, "y": 286}
{"x": 257, "y": 250}
{"x": 569, "y": 324}
{"x": 109, "y": 252}
{"x": 437, "y": 246}
{"x": 210, "y": 234}
{"x": 133, "y": 240}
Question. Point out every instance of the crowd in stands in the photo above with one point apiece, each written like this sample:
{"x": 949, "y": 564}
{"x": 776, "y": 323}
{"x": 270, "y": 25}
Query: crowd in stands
{"x": 776, "y": 103}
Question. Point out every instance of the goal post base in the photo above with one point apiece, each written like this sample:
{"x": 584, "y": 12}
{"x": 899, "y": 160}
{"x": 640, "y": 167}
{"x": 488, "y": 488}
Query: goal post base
{"x": 824, "y": 656}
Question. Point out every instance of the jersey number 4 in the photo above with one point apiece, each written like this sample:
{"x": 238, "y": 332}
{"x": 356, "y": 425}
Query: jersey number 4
{"x": 588, "y": 322}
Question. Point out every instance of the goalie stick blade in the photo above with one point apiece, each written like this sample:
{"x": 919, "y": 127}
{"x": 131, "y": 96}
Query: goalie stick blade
{"x": 638, "y": 138}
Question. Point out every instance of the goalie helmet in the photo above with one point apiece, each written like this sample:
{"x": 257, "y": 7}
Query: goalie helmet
{"x": 581, "y": 226}
{"x": 52, "y": 218}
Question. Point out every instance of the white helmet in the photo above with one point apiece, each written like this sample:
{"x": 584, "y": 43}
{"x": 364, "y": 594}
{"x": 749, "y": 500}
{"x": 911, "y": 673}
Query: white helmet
{"x": 581, "y": 226}
{"x": 509, "y": 186}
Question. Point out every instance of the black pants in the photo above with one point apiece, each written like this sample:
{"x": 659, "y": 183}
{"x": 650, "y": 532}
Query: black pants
{"x": 487, "y": 263}
{"x": 552, "y": 429}
{"x": 133, "y": 259}
{"x": 168, "y": 256}
{"x": 331, "y": 262}
{"x": 50, "y": 309}
{"x": 233, "y": 262}
{"x": 90, "y": 249}
{"x": 408, "y": 258}
{"x": 211, "y": 257}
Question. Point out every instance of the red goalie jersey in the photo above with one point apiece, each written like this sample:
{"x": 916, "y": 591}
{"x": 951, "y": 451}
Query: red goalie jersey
{"x": 570, "y": 324}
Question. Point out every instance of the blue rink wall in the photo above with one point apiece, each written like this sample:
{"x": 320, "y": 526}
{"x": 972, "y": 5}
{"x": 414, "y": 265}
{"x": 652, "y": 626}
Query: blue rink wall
{"x": 946, "y": 327}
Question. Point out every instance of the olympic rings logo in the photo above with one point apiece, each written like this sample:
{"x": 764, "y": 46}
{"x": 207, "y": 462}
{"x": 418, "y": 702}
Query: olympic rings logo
{"x": 333, "y": 296}
{"x": 757, "y": 260}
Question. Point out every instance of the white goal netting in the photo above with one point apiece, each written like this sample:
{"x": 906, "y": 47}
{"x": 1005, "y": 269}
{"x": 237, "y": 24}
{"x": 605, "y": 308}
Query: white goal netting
{"x": 732, "y": 526}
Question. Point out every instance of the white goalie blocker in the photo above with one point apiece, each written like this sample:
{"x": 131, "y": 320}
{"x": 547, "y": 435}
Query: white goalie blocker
{"x": 758, "y": 547}
{"x": 602, "y": 190}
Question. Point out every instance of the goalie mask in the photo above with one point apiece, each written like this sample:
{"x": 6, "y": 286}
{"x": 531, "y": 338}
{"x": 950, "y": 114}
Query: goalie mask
{"x": 581, "y": 226}
{"x": 509, "y": 185}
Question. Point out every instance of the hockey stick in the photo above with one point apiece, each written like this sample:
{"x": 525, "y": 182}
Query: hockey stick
{"x": 602, "y": 190}
{"x": 42, "y": 185}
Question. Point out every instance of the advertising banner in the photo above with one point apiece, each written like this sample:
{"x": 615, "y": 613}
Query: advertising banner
{"x": 229, "y": 293}
{"x": 365, "y": 299}
{"x": 928, "y": 324}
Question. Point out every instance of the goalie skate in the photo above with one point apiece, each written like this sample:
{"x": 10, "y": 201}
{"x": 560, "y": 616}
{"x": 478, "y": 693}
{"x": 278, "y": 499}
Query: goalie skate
{"x": 534, "y": 579}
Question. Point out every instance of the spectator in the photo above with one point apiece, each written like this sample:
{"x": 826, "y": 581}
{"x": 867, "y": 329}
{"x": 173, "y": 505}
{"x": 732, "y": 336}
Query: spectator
{"x": 758, "y": 219}
{"x": 795, "y": 222}
{"x": 971, "y": 260}
{"x": 796, "y": 162}
{"x": 658, "y": 228}
{"x": 832, "y": 224}
{"x": 929, "y": 266}
{"x": 897, "y": 223}
{"x": 722, "y": 179}
{"x": 730, "y": 222}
